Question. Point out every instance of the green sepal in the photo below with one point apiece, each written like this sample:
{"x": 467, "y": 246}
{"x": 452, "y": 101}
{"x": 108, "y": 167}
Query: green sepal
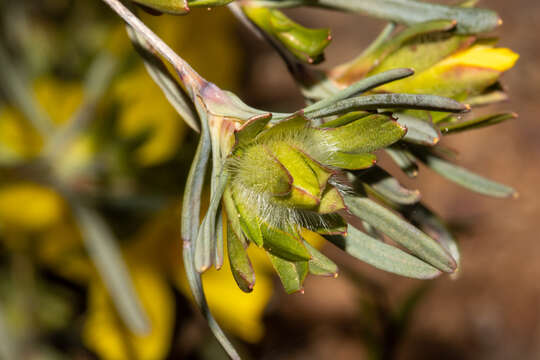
{"x": 331, "y": 224}
{"x": 306, "y": 189}
{"x": 350, "y": 161}
{"x": 345, "y": 119}
{"x": 292, "y": 274}
{"x": 283, "y": 244}
{"x": 233, "y": 216}
{"x": 319, "y": 264}
{"x": 251, "y": 128}
{"x": 249, "y": 224}
{"x": 295, "y": 122}
{"x": 366, "y": 134}
{"x": 331, "y": 201}
{"x": 240, "y": 264}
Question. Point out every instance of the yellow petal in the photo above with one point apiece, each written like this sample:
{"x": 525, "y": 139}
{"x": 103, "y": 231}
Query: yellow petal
{"x": 18, "y": 140}
{"x": 105, "y": 333}
{"x": 29, "y": 207}
{"x": 61, "y": 249}
{"x": 146, "y": 110}
{"x": 500, "y": 59}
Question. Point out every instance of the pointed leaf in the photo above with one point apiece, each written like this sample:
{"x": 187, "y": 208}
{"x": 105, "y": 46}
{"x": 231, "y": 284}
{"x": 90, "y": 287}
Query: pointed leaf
{"x": 388, "y": 187}
{"x": 320, "y": 264}
{"x": 467, "y": 179}
{"x": 419, "y": 131}
{"x": 163, "y": 78}
{"x": 434, "y": 226}
{"x": 403, "y": 233}
{"x": 331, "y": 201}
{"x": 476, "y": 123}
{"x": 360, "y": 87}
{"x": 391, "y": 101}
{"x": 404, "y": 160}
{"x": 383, "y": 256}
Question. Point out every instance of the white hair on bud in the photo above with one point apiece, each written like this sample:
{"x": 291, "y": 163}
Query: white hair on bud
{"x": 259, "y": 201}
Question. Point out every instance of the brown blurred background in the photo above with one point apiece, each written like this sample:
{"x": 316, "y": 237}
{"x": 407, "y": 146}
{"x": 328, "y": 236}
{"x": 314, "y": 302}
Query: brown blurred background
{"x": 492, "y": 311}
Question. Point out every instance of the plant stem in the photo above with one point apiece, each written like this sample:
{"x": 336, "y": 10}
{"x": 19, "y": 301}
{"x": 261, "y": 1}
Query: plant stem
{"x": 190, "y": 78}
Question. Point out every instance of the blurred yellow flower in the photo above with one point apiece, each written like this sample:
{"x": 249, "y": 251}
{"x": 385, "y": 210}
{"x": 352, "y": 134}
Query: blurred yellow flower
{"x": 145, "y": 109}
{"x": 27, "y": 206}
{"x": 105, "y": 333}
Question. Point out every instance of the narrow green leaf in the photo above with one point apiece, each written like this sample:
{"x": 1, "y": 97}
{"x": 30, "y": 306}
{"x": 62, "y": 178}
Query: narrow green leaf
{"x": 404, "y": 159}
{"x": 320, "y": 264}
{"x": 205, "y": 245}
{"x": 402, "y": 232}
{"x": 391, "y": 101}
{"x": 174, "y": 93}
{"x": 466, "y": 178}
{"x": 218, "y": 259}
{"x": 291, "y": 274}
{"x": 476, "y": 123}
{"x": 240, "y": 264}
{"x": 190, "y": 224}
{"x": 383, "y": 256}
{"x": 361, "y": 86}
{"x": 418, "y": 131}
{"x": 426, "y": 220}
{"x": 487, "y": 98}
{"x": 386, "y": 186}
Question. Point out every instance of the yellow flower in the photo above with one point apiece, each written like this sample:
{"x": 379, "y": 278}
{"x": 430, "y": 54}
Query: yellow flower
{"x": 27, "y": 206}
{"x": 105, "y": 333}
{"x": 463, "y": 74}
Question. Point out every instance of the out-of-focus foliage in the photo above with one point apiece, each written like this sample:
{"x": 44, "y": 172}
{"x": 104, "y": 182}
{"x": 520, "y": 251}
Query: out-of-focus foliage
{"x": 134, "y": 147}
